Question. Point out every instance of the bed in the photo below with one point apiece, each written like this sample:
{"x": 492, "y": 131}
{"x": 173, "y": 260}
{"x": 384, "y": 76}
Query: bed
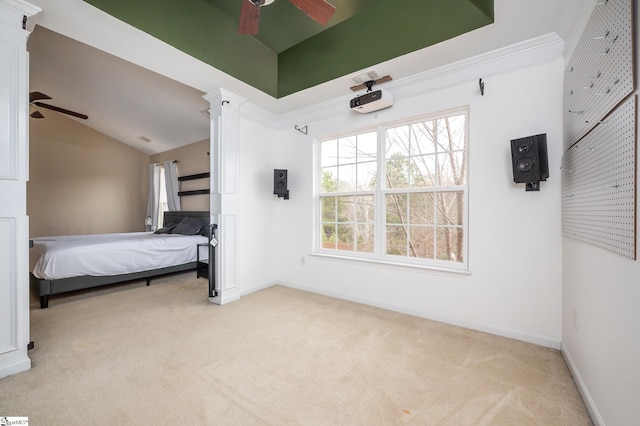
{"x": 62, "y": 264}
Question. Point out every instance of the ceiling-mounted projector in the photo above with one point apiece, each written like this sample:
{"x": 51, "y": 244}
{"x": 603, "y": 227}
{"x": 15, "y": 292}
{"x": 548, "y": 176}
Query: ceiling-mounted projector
{"x": 371, "y": 101}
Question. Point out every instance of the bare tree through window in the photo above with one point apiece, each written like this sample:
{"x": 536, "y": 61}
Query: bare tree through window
{"x": 422, "y": 192}
{"x": 348, "y": 167}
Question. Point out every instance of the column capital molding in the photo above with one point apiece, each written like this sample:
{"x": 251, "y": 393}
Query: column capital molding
{"x": 13, "y": 11}
{"x": 219, "y": 98}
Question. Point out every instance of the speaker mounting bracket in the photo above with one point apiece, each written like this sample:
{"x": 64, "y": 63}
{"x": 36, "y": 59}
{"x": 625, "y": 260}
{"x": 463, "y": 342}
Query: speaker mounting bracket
{"x": 532, "y": 186}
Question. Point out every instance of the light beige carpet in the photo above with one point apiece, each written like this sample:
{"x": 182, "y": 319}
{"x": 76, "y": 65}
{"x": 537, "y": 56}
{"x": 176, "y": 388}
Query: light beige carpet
{"x": 163, "y": 354}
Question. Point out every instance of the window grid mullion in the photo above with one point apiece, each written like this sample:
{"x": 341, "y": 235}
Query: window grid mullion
{"x": 381, "y": 192}
{"x": 436, "y": 197}
{"x": 335, "y": 220}
{"x": 407, "y": 223}
{"x": 380, "y": 212}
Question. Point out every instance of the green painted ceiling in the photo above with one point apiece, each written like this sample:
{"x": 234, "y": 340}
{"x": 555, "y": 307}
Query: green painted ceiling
{"x": 292, "y": 52}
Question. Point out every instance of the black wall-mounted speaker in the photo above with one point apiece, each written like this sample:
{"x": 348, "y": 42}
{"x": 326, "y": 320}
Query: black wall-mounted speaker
{"x": 280, "y": 183}
{"x": 530, "y": 162}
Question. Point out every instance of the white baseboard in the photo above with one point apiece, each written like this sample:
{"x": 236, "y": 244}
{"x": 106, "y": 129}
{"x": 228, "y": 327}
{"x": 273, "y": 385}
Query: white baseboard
{"x": 582, "y": 387}
{"x": 486, "y": 328}
{"x": 18, "y": 362}
{"x": 225, "y": 298}
{"x": 260, "y": 287}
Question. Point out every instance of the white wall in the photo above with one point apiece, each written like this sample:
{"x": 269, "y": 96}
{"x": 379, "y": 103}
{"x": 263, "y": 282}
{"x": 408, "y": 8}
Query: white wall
{"x": 514, "y": 288}
{"x": 258, "y": 237}
{"x": 601, "y": 325}
{"x": 600, "y": 330}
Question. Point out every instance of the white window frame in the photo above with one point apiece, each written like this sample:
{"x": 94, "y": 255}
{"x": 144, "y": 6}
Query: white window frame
{"x": 379, "y": 253}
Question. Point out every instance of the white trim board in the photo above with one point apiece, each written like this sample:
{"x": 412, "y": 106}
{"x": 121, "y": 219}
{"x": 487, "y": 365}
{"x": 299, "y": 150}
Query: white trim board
{"x": 485, "y": 328}
{"x": 582, "y": 387}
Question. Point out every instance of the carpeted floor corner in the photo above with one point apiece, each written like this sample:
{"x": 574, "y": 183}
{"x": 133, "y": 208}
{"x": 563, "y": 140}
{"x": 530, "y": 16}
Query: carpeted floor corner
{"x": 131, "y": 354}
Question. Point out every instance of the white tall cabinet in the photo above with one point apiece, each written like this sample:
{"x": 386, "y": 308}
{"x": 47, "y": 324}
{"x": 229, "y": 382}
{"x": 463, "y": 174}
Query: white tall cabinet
{"x": 14, "y": 169}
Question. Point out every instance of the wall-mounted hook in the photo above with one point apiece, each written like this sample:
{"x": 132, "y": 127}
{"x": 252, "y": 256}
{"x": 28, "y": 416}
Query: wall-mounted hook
{"x": 481, "y": 84}
{"x": 225, "y": 102}
{"x": 304, "y": 129}
{"x": 606, "y": 92}
{"x": 602, "y": 36}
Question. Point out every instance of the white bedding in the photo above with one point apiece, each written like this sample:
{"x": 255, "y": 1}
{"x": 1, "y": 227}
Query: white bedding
{"x": 111, "y": 254}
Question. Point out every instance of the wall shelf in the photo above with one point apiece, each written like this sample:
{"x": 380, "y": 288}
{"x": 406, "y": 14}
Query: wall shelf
{"x": 194, "y": 177}
{"x": 193, "y": 192}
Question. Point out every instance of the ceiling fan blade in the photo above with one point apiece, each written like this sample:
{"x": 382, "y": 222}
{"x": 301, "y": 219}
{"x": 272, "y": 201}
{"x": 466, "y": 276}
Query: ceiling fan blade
{"x": 37, "y": 114}
{"x": 62, "y": 110}
{"x": 318, "y": 10}
{"x": 37, "y": 96}
{"x": 249, "y": 18}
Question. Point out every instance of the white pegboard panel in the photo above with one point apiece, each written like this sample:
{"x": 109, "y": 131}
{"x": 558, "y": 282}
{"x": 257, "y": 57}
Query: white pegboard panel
{"x": 600, "y": 73}
{"x": 599, "y": 184}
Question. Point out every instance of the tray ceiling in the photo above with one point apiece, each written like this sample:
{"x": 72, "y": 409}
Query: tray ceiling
{"x": 291, "y": 52}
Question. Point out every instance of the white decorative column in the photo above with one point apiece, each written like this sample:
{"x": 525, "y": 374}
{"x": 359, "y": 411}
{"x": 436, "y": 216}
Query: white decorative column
{"x": 224, "y": 158}
{"x": 14, "y": 170}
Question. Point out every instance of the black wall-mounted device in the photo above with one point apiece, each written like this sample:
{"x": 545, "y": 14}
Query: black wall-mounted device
{"x": 530, "y": 162}
{"x": 280, "y": 183}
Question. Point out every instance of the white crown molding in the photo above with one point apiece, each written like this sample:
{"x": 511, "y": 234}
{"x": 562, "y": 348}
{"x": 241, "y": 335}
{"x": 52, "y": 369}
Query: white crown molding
{"x": 19, "y": 8}
{"x": 260, "y": 115}
{"x": 521, "y": 55}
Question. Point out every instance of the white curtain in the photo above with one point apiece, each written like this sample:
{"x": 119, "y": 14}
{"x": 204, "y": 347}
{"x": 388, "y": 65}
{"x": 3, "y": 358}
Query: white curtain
{"x": 171, "y": 181}
{"x": 154, "y": 196}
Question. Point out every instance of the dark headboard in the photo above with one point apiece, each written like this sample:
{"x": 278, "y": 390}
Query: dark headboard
{"x": 173, "y": 218}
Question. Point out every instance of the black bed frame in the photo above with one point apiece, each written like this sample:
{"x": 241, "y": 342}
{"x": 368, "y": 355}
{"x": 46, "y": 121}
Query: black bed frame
{"x": 47, "y": 288}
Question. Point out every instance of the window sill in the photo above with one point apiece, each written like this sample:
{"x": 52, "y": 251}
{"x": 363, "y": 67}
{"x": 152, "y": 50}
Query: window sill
{"x": 384, "y": 262}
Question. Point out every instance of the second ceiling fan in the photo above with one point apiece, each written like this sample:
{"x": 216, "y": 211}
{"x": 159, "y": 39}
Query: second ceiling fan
{"x": 35, "y": 97}
{"x": 318, "y": 10}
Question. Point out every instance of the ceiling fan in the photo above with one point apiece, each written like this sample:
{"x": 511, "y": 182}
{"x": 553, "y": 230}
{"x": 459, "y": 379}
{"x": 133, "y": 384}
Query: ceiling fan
{"x": 319, "y": 10}
{"x": 34, "y": 97}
